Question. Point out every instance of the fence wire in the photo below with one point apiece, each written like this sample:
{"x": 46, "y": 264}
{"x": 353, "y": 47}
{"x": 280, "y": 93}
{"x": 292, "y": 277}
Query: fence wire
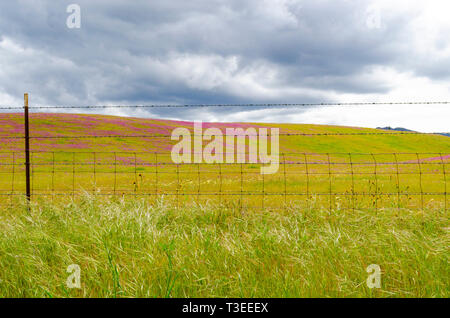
{"x": 336, "y": 181}
{"x": 259, "y": 105}
{"x": 224, "y": 135}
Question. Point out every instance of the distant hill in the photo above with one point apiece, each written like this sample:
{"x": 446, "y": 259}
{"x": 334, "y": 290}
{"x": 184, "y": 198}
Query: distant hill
{"x": 397, "y": 129}
{"x": 404, "y": 129}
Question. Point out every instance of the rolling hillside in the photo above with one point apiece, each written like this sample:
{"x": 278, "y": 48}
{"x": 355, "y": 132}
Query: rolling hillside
{"x": 50, "y": 125}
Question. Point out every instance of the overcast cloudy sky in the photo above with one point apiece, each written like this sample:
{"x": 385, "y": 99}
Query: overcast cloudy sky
{"x": 218, "y": 51}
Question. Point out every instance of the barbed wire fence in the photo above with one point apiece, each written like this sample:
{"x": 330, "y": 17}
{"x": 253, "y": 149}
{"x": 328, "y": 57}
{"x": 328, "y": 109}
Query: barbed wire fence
{"x": 301, "y": 177}
{"x": 335, "y": 180}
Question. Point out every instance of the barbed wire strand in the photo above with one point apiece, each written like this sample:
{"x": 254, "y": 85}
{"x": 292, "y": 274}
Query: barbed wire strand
{"x": 11, "y": 107}
{"x": 398, "y": 133}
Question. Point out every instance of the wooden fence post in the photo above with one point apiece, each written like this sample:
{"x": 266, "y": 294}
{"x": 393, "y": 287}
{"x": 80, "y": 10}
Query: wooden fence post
{"x": 27, "y": 149}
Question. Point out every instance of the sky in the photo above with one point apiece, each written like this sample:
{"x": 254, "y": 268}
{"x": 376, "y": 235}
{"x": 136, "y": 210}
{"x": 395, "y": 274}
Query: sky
{"x": 233, "y": 52}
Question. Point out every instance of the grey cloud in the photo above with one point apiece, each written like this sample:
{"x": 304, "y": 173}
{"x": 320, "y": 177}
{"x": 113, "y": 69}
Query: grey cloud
{"x": 200, "y": 51}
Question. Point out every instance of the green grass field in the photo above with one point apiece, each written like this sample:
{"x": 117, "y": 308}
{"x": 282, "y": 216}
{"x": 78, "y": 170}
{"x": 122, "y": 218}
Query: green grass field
{"x": 140, "y": 226}
{"x": 127, "y": 248}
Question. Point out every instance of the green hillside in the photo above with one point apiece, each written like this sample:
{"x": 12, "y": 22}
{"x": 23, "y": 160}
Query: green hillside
{"x": 317, "y": 140}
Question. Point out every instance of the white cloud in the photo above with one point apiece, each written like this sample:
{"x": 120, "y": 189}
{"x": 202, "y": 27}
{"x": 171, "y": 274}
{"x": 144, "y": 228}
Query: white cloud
{"x": 203, "y": 71}
{"x": 424, "y": 118}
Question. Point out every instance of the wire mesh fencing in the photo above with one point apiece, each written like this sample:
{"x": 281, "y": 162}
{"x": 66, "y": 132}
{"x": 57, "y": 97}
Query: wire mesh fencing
{"x": 333, "y": 181}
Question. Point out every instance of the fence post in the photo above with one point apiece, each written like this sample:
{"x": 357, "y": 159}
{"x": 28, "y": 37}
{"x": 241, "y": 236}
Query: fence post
{"x": 27, "y": 148}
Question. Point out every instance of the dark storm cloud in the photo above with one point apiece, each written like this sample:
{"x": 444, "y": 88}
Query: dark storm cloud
{"x": 131, "y": 52}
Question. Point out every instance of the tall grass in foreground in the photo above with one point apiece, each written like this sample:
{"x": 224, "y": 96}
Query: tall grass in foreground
{"x": 126, "y": 248}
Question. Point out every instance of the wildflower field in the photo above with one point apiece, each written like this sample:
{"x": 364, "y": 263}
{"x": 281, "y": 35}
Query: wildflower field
{"x": 138, "y": 225}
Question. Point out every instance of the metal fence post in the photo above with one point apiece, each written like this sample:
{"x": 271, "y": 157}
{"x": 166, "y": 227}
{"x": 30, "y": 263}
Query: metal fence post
{"x": 27, "y": 149}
